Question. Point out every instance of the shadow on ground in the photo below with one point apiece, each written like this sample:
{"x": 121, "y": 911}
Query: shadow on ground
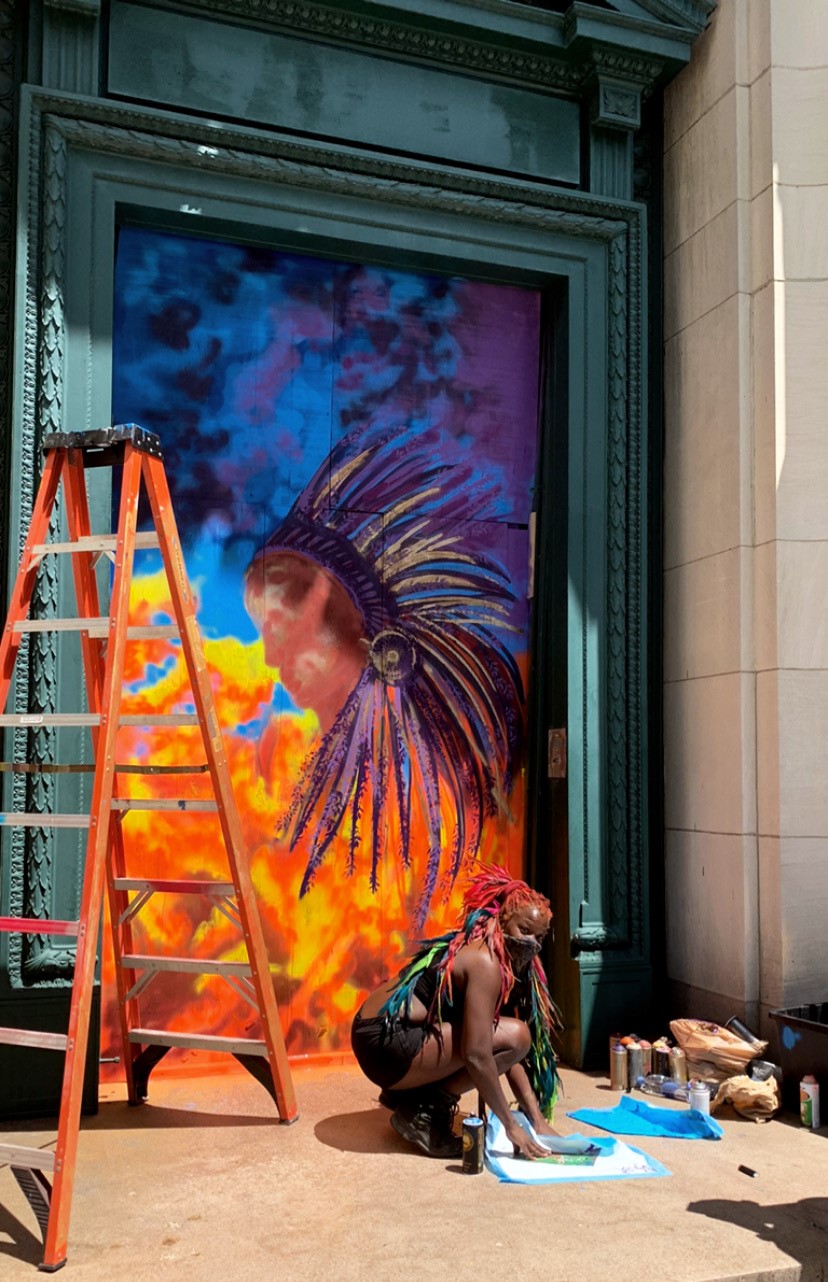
{"x": 368, "y": 1131}
{"x": 800, "y": 1229}
{"x": 117, "y": 1115}
{"x": 17, "y": 1240}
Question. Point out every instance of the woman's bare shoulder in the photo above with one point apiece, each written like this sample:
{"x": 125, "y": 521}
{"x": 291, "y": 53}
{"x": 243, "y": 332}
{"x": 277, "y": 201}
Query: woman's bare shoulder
{"x": 475, "y": 962}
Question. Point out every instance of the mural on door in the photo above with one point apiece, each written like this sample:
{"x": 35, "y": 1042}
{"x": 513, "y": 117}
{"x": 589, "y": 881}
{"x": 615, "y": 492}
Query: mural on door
{"x": 351, "y": 452}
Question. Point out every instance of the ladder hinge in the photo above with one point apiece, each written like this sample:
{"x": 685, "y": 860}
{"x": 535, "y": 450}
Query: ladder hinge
{"x": 557, "y": 754}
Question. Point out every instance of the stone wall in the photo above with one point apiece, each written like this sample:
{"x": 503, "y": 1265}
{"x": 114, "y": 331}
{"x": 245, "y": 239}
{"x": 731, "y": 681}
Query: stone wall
{"x": 746, "y": 512}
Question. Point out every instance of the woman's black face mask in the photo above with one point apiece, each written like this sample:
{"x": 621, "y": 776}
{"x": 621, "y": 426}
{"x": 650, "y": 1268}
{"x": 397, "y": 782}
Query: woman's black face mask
{"x": 522, "y": 952}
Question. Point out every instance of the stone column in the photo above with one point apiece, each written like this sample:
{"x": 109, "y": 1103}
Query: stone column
{"x": 746, "y": 513}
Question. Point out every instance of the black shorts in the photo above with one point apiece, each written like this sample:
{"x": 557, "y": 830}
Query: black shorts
{"x": 385, "y": 1050}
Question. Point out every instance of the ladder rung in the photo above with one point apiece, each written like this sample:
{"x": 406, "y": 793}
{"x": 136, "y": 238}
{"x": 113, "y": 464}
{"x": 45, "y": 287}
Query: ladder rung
{"x": 97, "y": 628}
{"x": 37, "y": 926}
{"x": 158, "y": 719}
{"x": 33, "y": 1159}
{"x": 21, "y": 819}
{"x": 33, "y": 1037}
{"x": 95, "y": 543}
{"x": 93, "y": 719}
{"x": 164, "y": 885}
{"x": 185, "y": 965}
{"x": 197, "y": 1041}
{"x": 161, "y": 803}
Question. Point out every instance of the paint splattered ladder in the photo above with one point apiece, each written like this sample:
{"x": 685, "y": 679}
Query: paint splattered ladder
{"x": 103, "y": 640}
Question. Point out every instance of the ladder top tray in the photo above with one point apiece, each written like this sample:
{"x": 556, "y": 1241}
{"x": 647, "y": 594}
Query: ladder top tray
{"x": 104, "y": 438}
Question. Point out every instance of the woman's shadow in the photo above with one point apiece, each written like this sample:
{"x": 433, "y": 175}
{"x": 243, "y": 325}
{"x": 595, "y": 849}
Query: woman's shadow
{"x": 800, "y": 1229}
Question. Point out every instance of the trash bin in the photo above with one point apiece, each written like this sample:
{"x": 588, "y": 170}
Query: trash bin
{"x": 803, "y": 1048}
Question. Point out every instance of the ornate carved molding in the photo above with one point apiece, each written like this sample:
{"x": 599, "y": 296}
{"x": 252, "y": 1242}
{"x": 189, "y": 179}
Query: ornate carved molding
{"x": 8, "y": 38}
{"x": 60, "y": 125}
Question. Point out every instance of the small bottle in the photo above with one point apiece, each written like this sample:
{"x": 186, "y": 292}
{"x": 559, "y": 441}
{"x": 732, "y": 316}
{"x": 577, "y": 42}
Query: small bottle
{"x": 809, "y": 1101}
{"x": 699, "y": 1096}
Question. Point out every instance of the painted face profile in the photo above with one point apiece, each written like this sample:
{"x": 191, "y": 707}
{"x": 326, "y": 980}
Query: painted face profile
{"x": 312, "y": 632}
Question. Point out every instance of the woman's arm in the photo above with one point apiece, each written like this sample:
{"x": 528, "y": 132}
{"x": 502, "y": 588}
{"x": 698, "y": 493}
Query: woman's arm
{"x": 482, "y": 988}
{"x": 518, "y": 1079}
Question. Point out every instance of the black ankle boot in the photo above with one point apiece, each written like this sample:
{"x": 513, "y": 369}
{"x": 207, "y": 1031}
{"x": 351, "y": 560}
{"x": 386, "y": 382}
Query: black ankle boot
{"x": 426, "y": 1121}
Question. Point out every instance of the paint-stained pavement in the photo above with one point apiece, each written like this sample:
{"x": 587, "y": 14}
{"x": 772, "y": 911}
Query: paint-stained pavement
{"x": 200, "y": 1184}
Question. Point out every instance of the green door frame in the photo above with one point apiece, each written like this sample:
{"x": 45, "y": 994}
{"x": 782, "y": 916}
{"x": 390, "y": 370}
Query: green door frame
{"x": 87, "y": 165}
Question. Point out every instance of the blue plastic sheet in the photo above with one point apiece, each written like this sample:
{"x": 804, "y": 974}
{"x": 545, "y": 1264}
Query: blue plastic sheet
{"x": 632, "y": 1116}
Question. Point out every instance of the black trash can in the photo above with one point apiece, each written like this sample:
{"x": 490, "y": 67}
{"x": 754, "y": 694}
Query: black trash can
{"x": 803, "y": 1049}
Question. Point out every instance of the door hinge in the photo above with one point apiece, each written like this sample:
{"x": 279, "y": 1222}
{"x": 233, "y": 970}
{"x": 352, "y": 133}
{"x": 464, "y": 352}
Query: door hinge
{"x": 556, "y": 759}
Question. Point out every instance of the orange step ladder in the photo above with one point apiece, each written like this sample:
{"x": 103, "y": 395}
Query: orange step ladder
{"x": 47, "y": 1177}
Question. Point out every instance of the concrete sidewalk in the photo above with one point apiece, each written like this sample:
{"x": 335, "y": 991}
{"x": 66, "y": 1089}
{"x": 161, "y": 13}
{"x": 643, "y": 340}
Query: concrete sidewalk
{"x": 200, "y": 1184}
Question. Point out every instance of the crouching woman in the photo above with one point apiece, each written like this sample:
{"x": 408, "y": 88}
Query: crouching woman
{"x": 471, "y": 1007}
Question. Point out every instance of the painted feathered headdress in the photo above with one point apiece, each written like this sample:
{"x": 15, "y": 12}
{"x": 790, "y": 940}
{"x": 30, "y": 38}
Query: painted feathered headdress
{"x": 437, "y": 713}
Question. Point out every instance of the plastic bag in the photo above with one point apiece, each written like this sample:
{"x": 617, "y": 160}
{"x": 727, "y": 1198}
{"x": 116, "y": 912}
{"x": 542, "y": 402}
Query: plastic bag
{"x": 755, "y": 1100}
{"x": 707, "y": 1045}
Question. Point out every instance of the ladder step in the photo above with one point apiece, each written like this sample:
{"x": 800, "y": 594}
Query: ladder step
{"x": 21, "y": 819}
{"x": 38, "y": 1192}
{"x": 164, "y": 885}
{"x": 97, "y": 628}
{"x": 32, "y": 1159}
{"x": 88, "y": 768}
{"x": 183, "y": 965}
{"x": 37, "y": 926}
{"x": 93, "y": 719}
{"x": 161, "y": 803}
{"x": 34, "y": 1038}
{"x": 95, "y": 543}
{"x": 196, "y": 1041}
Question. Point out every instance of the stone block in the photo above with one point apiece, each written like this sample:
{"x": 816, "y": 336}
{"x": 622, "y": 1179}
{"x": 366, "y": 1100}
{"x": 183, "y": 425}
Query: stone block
{"x": 709, "y": 746}
{"x": 704, "y": 413}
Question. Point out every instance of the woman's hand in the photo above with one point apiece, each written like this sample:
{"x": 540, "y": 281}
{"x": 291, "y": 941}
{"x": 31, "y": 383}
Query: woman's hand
{"x": 525, "y": 1145}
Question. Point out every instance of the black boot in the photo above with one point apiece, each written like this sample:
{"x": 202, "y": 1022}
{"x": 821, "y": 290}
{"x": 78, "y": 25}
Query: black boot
{"x": 426, "y": 1121}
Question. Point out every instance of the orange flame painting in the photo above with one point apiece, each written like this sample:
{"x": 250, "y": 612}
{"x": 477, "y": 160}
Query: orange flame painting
{"x": 351, "y": 452}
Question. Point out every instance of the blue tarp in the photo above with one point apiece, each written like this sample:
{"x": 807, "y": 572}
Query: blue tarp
{"x": 633, "y": 1117}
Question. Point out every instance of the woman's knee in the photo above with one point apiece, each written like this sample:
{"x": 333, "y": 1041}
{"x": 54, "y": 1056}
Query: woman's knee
{"x": 513, "y": 1035}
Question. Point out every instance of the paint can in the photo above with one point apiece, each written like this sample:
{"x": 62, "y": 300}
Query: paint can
{"x": 661, "y": 1060}
{"x": 678, "y": 1064}
{"x": 699, "y": 1096}
{"x": 646, "y": 1058}
{"x": 619, "y": 1072}
{"x": 738, "y": 1029}
{"x": 635, "y": 1063}
{"x": 615, "y": 1038}
{"x": 809, "y": 1101}
{"x": 473, "y": 1143}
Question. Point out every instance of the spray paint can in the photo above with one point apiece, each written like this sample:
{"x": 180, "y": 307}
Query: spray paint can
{"x": 809, "y": 1101}
{"x": 661, "y": 1060}
{"x": 678, "y": 1064}
{"x": 619, "y": 1072}
{"x": 635, "y": 1063}
{"x": 699, "y": 1096}
{"x": 473, "y": 1141}
{"x": 646, "y": 1058}
{"x": 735, "y": 1026}
{"x": 615, "y": 1038}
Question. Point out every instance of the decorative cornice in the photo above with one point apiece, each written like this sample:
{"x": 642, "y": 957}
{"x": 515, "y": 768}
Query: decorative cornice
{"x": 536, "y": 63}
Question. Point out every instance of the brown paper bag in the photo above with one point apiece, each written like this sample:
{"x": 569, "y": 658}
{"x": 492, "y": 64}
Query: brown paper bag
{"x": 710, "y": 1044}
{"x": 755, "y": 1100}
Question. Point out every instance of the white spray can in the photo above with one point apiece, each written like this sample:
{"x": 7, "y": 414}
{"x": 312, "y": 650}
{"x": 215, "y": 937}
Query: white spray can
{"x": 809, "y": 1101}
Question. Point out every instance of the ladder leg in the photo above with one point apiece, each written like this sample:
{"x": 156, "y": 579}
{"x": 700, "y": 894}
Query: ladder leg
{"x": 96, "y": 858}
{"x": 184, "y": 607}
